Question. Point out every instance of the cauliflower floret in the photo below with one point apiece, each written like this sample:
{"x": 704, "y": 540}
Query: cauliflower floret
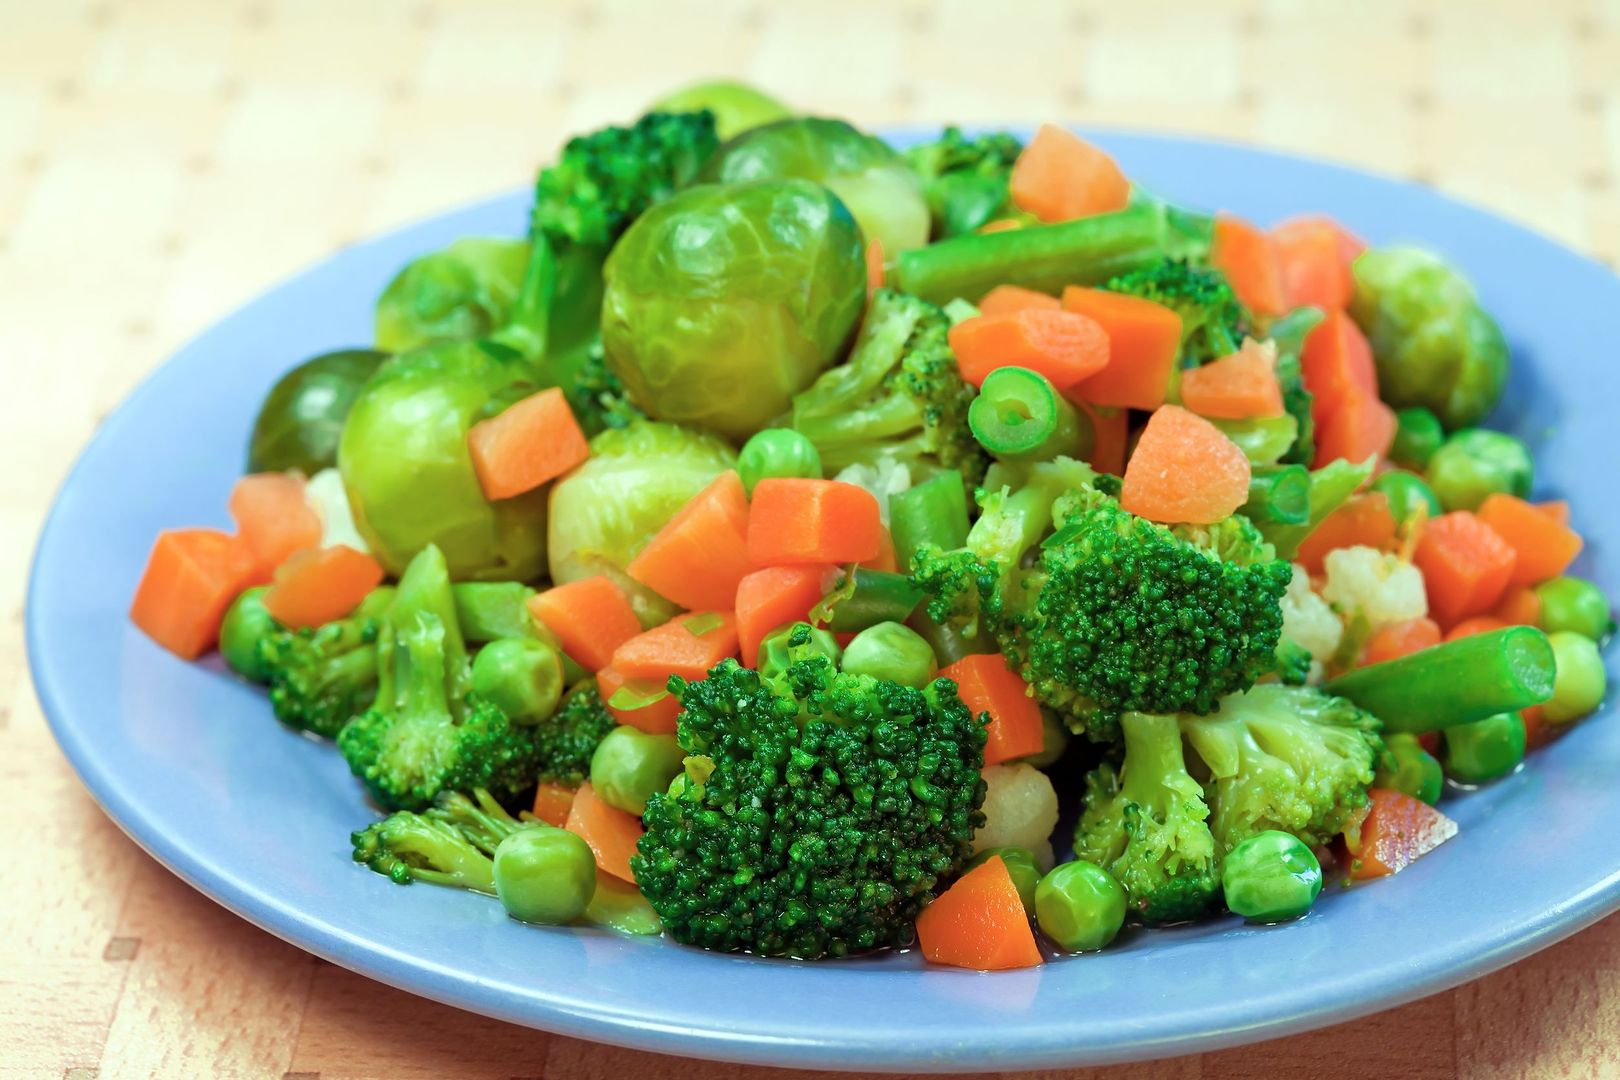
{"x": 882, "y": 478}
{"x": 1020, "y": 810}
{"x": 1379, "y": 587}
{"x": 1308, "y": 620}
{"x": 326, "y": 496}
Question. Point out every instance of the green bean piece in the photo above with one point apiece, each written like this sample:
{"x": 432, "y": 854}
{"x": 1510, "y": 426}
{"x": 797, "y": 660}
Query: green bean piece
{"x": 544, "y": 875}
{"x": 1418, "y": 434}
{"x": 1019, "y": 416}
{"x": 1263, "y": 439}
{"x": 1581, "y": 681}
{"x": 630, "y": 766}
{"x": 1569, "y": 603}
{"x": 247, "y": 622}
{"x": 892, "y": 651}
{"x": 1485, "y": 749}
{"x": 866, "y": 598}
{"x": 1475, "y": 463}
{"x": 949, "y": 645}
{"x": 1279, "y": 493}
{"x": 1331, "y": 485}
{"x": 1271, "y": 877}
{"x": 1021, "y": 867}
{"x": 522, "y": 677}
{"x": 488, "y": 610}
{"x": 1079, "y": 906}
{"x": 1407, "y": 493}
{"x": 1454, "y": 683}
{"x": 1408, "y": 768}
{"x": 773, "y": 651}
{"x": 933, "y": 512}
{"x": 777, "y": 452}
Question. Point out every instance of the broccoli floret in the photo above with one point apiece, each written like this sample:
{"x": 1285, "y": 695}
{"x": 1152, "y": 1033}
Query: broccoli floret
{"x": 565, "y": 742}
{"x": 596, "y": 395}
{"x": 322, "y": 677}
{"x": 1145, "y": 824}
{"x": 835, "y": 808}
{"x": 965, "y": 178}
{"x": 1284, "y": 757}
{"x": 452, "y": 843}
{"x": 1293, "y": 663}
{"x": 1213, "y": 320}
{"x": 899, "y": 396}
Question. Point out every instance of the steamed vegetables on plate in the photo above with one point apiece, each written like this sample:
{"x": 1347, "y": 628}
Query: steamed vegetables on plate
{"x": 768, "y": 545}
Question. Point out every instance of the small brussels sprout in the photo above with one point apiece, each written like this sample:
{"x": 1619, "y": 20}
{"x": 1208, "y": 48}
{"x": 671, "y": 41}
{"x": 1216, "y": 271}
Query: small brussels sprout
{"x": 301, "y": 420}
{"x": 464, "y": 291}
{"x": 724, "y": 301}
{"x": 871, "y": 178}
{"x": 1435, "y": 346}
{"x": 1475, "y": 463}
{"x": 736, "y": 106}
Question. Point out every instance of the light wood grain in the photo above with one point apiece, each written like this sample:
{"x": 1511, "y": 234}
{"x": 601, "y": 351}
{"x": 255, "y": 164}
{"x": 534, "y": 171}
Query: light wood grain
{"x": 162, "y": 161}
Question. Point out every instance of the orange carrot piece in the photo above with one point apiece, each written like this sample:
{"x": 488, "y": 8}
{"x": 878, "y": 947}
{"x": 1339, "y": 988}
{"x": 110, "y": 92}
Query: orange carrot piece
{"x": 1061, "y": 345}
{"x": 1537, "y": 732}
{"x": 1397, "y": 831}
{"x": 590, "y": 617}
{"x": 1363, "y": 521}
{"x": 1466, "y": 566}
{"x": 1401, "y": 639}
{"x": 1241, "y": 386}
{"x": 1143, "y": 341}
{"x": 552, "y": 803}
{"x": 987, "y": 685}
{"x": 191, "y": 577}
{"x": 1184, "y": 469}
{"x": 1519, "y": 606}
{"x": 1544, "y": 546}
{"x": 526, "y": 445}
{"x": 697, "y": 558}
{"x": 657, "y": 718}
{"x": 610, "y": 833}
{"x": 776, "y": 596}
{"x": 1557, "y": 509}
{"x": 676, "y": 649}
{"x": 1359, "y": 427}
{"x": 1249, "y": 260}
{"x": 886, "y": 559}
{"x": 313, "y": 587}
{"x": 1336, "y": 362}
{"x": 1060, "y": 177}
{"x": 1112, "y": 428}
{"x": 1006, "y": 299}
{"x": 874, "y": 266}
{"x": 1474, "y": 624}
{"x": 273, "y": 519}
{"x": 979, "y": 923}
{"x": 1315, "y": 264}
{"x": 1001, "y": 225}
{"x": 801, "y": 520}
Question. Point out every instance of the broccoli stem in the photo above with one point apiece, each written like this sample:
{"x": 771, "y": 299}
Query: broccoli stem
{"x": 1020, "y": 416}
{"x": 869, "y": 597}
{"x": 1280, "y": 494}
{"x": 1459, "y": 682}
{"x": 1087, "y": 251}
{"x": 933, "y": 512}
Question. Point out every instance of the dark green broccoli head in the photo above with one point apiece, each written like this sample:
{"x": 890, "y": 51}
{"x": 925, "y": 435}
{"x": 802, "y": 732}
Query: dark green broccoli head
{"x": 965, "y": 178}
{"x": 1213, "y": 320}
{"x": 1145, "y": 825}
{"x": 322, "y": 677}
{"x": 596, "y": 395}
{"x": 836, "y": 808}
{"x": 898, "y": 396}
{"x": 564, "y": 743}
{"x": 1284, "y": 757}
{"x": 1293, "y": 663}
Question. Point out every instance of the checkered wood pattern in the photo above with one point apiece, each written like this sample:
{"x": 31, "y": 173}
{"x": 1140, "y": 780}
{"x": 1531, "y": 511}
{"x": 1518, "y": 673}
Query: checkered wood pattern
{"x": 162, "y": 161}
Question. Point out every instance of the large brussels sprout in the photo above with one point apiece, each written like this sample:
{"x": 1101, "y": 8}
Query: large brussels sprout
{"x": 874, "y": 181}
{"x": 302, "y": 415}
{"x": 1435, "y": 346}
{"x": 726, "y": 300}
{"x": 736, "y": 106}
{"x": 410, "y": 478}
{"x": 464, "y": 291}
{"x": 604, "y": 512}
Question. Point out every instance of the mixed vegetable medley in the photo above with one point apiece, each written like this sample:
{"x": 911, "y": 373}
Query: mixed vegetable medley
{"x": 775, "y": 543}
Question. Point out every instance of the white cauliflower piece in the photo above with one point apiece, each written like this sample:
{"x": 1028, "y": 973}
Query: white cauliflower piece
{"x": 1377, "y": 586}
{"x": 326, "y": 496}
{"x": 1308, "y": 620}
{"x": 882, "y": 478}
{"x": 1020, "y": 810}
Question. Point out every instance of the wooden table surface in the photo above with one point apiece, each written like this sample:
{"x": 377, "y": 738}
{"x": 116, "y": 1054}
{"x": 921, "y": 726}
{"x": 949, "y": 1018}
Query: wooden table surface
{"x": 162, "y": 161}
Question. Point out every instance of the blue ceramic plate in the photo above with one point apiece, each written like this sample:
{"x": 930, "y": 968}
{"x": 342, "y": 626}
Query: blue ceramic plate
{"x": 189, "y": 762}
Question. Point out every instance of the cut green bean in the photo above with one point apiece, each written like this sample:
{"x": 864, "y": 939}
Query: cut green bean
{"x": 1020, "y": 416}
{"x": 1280, "y": 493}
{"x": 933, "y": 512}
{"x": 864, "y": 599}
{"x": 1458, "y": 682}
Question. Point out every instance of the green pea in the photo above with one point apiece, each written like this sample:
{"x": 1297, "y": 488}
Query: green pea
{"x": 247, "y": 623}
{"x": 892, "y": 651}
{"x": 1021, "y": 867}
{"x": 544, "y": 875}
{"x": 1271, "y": 877}
{"x": 1569, "y": 603}
{"x": 1080, "y": 906}
{"x": 1406, "y": 493}
{"x": 629, "y": 766}
{"x": 1418, "y": 434}
{"x": 521, "y": 676}
{"x": 777, "y": 452}
{"x": 1407, "y": 767}
{"x": 1475, "y": 463}
{"x": 1486, "y": 749}
{"x": 1580, "y": 683}
{"x": 773, "y": 651}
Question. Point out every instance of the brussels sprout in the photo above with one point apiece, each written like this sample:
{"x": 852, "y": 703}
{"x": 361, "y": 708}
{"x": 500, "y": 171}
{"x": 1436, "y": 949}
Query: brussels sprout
{"x": 1435, "y": 346}
{"x": 873, "y": 180}
{"x": 605, "y": 511}
{"x": 464, "y": 291}
{"x": 302, "y": 416}
{"x": 1476, "y": 463}
{"x": 410, "y": 478}
{"x": 736, "y": 106}
{"x": 726, "y": 300}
